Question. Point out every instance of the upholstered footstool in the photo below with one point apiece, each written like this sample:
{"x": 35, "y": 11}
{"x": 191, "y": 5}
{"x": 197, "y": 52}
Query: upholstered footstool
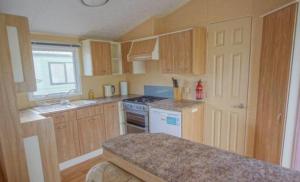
{"x": 107, "y": 172}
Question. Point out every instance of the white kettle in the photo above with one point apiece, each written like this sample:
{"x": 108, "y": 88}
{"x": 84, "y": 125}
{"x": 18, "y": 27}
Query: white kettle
{"x": 109, "y": 90}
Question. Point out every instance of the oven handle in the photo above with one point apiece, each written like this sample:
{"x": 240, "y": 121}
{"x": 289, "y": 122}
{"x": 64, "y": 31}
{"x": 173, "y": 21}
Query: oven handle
{"x": 136, "y": 112}
{"x": 134, "y": 126}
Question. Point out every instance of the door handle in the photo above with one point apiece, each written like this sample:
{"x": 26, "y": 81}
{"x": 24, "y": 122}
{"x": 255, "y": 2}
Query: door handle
{"x": 240, "y": 106}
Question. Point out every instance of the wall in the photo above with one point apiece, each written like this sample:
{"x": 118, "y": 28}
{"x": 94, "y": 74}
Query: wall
{"x": 96, "y": 82}
{"x": 202, "y": 13}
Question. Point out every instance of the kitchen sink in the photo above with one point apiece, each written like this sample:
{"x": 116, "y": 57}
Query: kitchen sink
{"x": 80, "y": 103}
{"x": 67, "y": 105}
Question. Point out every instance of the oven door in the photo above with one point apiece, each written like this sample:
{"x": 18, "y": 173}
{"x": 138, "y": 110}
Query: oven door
{"x": 134, "y": 129}
{"x": 136, "y": 122}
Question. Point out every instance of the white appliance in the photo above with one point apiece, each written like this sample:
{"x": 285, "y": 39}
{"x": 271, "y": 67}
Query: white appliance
{"x": 124, "y": 87}
{"x": 163, "y": 121}
{"x": 109, "y": 90}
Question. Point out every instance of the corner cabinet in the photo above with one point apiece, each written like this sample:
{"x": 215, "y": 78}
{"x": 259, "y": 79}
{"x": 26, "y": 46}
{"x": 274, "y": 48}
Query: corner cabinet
{"x": 18, "y": 34}
{"x": 183, "y": 52}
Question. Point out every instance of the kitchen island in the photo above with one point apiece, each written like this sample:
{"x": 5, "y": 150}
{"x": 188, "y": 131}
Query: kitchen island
{"x": 160, "y": 157}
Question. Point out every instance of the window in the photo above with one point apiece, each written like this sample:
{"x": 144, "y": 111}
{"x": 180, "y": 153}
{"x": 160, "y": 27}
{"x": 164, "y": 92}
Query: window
{"x": 56, "y": 71}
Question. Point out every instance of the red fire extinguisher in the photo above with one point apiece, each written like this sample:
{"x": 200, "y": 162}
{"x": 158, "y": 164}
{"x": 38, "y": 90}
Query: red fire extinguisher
{"x": 199, "y": 91}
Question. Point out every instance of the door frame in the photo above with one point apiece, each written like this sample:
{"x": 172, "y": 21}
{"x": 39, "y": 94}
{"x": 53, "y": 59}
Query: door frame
{"x": 289, "y": 133}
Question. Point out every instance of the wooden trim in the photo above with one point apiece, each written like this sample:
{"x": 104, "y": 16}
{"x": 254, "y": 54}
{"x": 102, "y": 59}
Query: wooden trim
{"x": 131, "y": 168}
{"x": 13, "y": 152}
{"x": 275, "y": 65}
{"x": 44, "y": 130}
{"x": 278, "y": 9}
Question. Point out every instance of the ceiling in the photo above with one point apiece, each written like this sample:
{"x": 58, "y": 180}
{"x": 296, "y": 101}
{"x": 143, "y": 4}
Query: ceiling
{"x": 71, "y": 17}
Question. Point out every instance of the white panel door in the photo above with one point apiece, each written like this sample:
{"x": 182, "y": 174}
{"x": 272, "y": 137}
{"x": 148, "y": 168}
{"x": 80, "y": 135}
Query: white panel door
{"x": 228, "y": 72}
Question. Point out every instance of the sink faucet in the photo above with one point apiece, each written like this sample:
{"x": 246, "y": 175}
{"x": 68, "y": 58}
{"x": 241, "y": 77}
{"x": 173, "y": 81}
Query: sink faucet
{"x": 64, "y": 100}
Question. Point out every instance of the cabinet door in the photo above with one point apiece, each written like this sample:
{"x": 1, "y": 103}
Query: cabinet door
{"x": 182, "y": 50}
{"x": 192, "y": 123}
{"x": 112, "y": 123}
{"x": 18, "y": 35}
{"x": 101, "y": 58}
{"x": 166, "y": 53}
{"x": 66, "y": 135}
{"x": 91, "y": 133}
{"x": 125, "y": 48}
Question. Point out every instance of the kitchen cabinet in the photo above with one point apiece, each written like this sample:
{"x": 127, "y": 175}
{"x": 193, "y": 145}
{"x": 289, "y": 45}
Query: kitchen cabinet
{"x": 19, "y": 44}
{"x": 97, "y": 58}
{"x": 192, "y": 123}
{"x": 166, "y": 53}
{"x": 183, "y": 52}
{"x": 91, "y": 128}
{"x": 91, "y": 133}
{"x": 84, "y": 130}
{"x": 125, "y": 48}
{"x": 112, "y": 123}
{"x": 116, "y": 58}
{"x": 66, "y": 133}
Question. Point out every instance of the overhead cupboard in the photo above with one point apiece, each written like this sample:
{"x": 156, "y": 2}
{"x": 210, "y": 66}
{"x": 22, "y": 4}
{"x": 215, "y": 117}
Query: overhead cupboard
{"x": 182, "y": 52}
{"x": 18, "y": 34}
{"x": 101, "y": 57}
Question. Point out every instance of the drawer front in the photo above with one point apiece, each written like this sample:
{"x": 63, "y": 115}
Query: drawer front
{"x": 86, "y": 112}
{"x": 99, "y": 110}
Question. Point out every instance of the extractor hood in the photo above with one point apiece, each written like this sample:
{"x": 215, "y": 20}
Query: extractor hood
{"x": 144, "y": 50}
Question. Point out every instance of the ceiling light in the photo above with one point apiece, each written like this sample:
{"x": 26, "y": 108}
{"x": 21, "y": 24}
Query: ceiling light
{"x": 94, "y": 3}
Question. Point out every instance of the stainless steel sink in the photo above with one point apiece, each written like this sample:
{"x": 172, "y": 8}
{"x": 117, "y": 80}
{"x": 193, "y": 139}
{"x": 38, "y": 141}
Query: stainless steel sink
{"x": 59, "y": 107}
{"x": 80, "y": 103}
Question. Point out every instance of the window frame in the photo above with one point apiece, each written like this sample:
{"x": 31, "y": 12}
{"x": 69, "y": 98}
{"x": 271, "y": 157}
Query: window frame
{"x": 76, "y": 61}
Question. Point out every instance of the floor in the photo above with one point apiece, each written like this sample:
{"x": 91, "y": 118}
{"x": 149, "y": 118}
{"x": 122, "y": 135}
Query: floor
{"x": 78, "y": 173}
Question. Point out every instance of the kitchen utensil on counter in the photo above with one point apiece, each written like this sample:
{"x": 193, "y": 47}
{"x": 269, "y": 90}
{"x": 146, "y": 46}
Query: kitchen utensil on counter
{"x": 177, "y": 91}
{"x": 124, "y": 88}
{"x": 109, "y": 90}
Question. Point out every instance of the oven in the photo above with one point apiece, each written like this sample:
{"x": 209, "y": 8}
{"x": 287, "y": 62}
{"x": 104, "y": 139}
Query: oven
{"x": 136, "y": 120}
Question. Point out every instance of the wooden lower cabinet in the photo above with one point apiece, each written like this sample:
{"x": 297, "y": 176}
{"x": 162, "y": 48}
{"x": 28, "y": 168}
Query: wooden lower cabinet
{"x": 67, "y": 142}
{"x": 84, "y": 130}
{"x": 112, "y": 123}
{"x": 192, "y": 123}
{"x": 91, "y": 133}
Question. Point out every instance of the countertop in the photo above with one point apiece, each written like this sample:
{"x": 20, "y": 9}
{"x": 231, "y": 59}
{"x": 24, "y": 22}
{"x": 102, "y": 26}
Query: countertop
{"x": 173, "y": 105}
{"x": 177, "y": 160}
{"x": 54, "y": 108}
{"x": 30, "y": 115}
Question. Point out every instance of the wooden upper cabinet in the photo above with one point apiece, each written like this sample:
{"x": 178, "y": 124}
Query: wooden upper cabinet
{"x": 125, "y": 48}
{"x": 112, "y": 122}
{"x": 166, "y": 53}
{"x": 183, "y": 52}
{"x": 183, "y": 49}
{"x": 19, "y": 43}
{"x": 144, "y": 50}
{"x": 97, "y": 58}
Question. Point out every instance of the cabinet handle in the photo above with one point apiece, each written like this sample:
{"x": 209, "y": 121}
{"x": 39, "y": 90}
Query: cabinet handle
{"x": 279, "y": 116}
{"x": 61, "y": 127}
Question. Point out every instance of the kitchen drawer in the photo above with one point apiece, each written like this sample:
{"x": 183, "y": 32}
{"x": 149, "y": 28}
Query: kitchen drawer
{"x": 99, "y": 110}
{"x": 86, "y": 112}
